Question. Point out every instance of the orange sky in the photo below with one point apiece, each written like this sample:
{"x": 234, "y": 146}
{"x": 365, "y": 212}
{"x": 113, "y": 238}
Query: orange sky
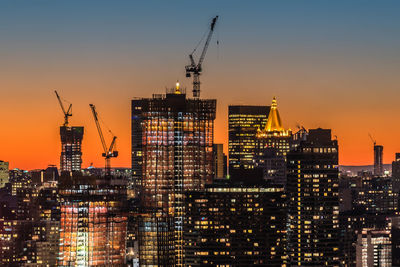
{"x": 336, "y": 68}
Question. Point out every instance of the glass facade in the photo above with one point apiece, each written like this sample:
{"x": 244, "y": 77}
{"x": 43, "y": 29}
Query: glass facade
{"x": 172, "y": 152}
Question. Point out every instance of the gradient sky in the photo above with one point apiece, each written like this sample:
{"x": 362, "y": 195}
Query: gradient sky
{"x": 332, "y": 64}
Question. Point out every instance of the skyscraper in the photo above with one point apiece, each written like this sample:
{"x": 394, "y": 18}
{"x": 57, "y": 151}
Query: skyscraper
{"x": 273, "y": 135}
{"x": 378, "y": 157}
{"x": 312, "y": 184}
{"x": 172, "y": 152}
{"x": 71, "y": 145}
{"x": 244, "y": 122}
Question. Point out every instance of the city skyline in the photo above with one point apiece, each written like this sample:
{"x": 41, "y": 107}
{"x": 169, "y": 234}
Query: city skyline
{"x": 329, "y": 65}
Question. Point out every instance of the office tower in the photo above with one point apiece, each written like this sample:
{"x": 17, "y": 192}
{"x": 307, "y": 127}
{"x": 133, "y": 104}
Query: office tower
{"x": 92, "y": 226}
{"x": 273, "y": 135}
{"x": 396, "y": 173}
{"x": 374, "y": 248}
{"x": 4, "y": 173}
{"x": 312, "y": 184}
{"x": 219, "y": 161}
{"x": 228, "y": 225}
{"x": 172, "y": 152}
{"x": 378, "y": 157}
{"x": 71, "y": 148}
{"x": 243, "y": 123}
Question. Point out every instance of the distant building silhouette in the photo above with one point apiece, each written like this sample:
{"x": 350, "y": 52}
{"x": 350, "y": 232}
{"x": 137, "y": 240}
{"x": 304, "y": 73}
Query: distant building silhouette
{"x": 378, "y": 160}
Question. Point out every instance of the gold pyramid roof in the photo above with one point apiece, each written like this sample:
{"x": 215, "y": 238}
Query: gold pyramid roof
{"x": 274, "y": 123}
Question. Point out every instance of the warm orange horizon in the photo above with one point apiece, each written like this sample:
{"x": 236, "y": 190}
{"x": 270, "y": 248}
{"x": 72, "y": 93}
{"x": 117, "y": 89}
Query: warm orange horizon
{"x": 330, "y": 65}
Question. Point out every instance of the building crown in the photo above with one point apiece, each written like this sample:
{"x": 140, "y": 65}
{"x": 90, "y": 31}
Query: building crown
{"x": 274, "y": 123}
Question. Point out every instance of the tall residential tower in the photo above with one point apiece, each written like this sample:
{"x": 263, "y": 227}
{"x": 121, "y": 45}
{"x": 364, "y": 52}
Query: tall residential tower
{"x": 312, "y": 185}
{"x": 172, "y": 152}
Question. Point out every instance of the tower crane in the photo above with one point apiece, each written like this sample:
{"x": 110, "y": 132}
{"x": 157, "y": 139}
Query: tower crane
{"x": 67, "y": 113}
{"x": 372, "y": 139}
{"x": 109, "y": 152}
{"x": 196, "y": 68}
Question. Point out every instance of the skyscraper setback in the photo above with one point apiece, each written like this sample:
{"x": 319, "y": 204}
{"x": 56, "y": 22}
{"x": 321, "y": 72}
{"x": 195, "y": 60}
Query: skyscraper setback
{"x": 172, "y": 152}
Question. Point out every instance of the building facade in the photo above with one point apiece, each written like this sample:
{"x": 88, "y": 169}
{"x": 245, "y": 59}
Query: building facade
{"x": 172, "y": 152}
{"x": 71, "y": 148}
{"x": 243, "y": 124}
{"x": 92, "y": 226}
{"x": 235, "y": 226}
{"x": 312, "y": 184}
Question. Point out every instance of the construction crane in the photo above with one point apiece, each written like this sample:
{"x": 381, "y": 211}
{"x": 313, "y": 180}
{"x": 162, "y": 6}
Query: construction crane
{"x": 67, "y": 113}
{"x": 109, "y": 152}
{"x": 372, "y": 139}
{"x": 196, "y": 68}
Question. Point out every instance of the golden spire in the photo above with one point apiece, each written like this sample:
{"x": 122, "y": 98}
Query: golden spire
{"x": 274, "y": 123}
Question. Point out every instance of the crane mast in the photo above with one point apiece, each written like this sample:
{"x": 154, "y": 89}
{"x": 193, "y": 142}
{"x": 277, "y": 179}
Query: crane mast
{"x": 109, "y": 152}
{"x": 196, "y": 69}
{"x": 67, "y": 113}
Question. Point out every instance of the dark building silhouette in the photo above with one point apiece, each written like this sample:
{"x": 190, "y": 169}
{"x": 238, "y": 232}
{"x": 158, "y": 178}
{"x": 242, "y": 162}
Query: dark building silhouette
{"x": 243, "y": 123}
{"x": 172, "y": 152}
{"x": 71, "y": 148}
{"x": 396, "y": 173}
{"x": 312, "y": 184}
{"x": 378, "y": 158}
{"x": 220, "y": 163}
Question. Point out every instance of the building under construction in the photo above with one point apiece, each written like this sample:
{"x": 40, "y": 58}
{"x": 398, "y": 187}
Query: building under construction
{"x": 93, "y": 225}
{"x": 172, "y": 152}
{"x": 71, "y": 142}
{"x": 71, "y": 152}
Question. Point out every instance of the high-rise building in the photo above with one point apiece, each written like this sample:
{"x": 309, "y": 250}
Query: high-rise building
{"x": 228, "y": 225}
{"x": 92, "y": 226}
{"x": 243, "y": 123}
{"x": 4, "y": 173}
{"x": 274, "y": 135}
{"x": 172, "y": 152}
{"x": 312, "y": 184}
{"x": 396, "y": 173}
{"x": 71, "y": 148}
{"x": 378, "y": 158}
